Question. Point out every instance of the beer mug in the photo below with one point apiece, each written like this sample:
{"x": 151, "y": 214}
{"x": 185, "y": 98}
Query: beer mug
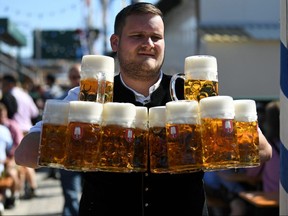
{"x": 116, "y": 150}
{"x": 141, "y": 140}
{"x": 157, "y": 140}
{"x": 52, "y": 147}
{"x": 218, "y": 133}
{"x": 247, "y": 132}
{"x": 97, "y": 78}
{"x": 83, "y": 135}
{"x": 183, "y": 136}
{"x": 200, "y": 78}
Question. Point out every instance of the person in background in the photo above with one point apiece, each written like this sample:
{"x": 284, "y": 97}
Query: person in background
{"x": 138, "y": 40}
{"x": 11, "y": 168}
{"x": 10, "y": 102}
{"x": 52, "y": 90}
{"x": 71, "y": 181}
{"x": 27, "y": 110}
{"x": 6, "y": 143}
{"x": 73, "y": 77}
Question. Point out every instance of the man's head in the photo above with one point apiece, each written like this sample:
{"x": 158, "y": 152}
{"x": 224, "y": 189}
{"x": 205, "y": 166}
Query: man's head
{"x": 134, "y": 9}
{"x": 9, "y": 81}
{"x": 74, "y": 75}
{"x": 139, "y": 41}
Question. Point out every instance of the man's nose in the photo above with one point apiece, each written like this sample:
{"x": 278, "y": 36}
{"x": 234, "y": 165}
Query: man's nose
{"x": 149, "y": 42}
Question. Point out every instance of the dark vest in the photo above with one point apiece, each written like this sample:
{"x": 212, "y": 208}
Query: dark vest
{"x": 146, "y": 194}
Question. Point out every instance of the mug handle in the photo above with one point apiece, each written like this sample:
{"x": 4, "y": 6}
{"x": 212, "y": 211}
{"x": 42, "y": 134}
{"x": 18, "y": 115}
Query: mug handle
{"x": 172, "y": 85}
{"x": 101, "y": 87}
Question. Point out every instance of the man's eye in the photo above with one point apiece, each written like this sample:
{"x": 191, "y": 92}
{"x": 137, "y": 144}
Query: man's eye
{"x": 156, "y": 38}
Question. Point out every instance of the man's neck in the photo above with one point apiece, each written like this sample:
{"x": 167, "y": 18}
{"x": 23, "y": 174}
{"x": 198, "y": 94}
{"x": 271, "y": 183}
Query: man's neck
{"x": 138, "y": 85}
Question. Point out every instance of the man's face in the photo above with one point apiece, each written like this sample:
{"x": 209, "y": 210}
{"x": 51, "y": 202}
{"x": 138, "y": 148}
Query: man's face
{"x": 140, "y": 47}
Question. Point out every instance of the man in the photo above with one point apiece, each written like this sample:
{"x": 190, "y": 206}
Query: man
{"x": 26, "y": 112}
{"x": 139, "y": 42}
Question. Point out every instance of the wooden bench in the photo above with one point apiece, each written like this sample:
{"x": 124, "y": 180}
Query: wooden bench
{"x": 262, "y": 203}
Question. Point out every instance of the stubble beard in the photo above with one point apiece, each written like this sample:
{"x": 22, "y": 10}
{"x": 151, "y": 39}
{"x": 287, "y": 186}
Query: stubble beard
{"x": 139, "y": 71}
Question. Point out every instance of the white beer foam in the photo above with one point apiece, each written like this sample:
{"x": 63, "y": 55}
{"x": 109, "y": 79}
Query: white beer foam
{"x": 217, "y": 107}
{"x": 157, "y": 116}
{"x": 141, "y": 119}
{"x": 201, "y": 67}
{"x": 182, "y": 112}
{"x": 119, "y": 113}
{"x": 92, "y": 64}
{"x": 245, "y": 110}
{"x": 56, "y": 112}
{"x": 85, "y": 111}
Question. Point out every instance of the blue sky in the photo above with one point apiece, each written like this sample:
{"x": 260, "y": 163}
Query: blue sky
{"x": 29, "y": 15}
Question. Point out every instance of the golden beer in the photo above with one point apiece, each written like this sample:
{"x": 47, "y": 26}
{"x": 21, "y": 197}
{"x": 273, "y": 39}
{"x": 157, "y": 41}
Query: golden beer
{"x": 82, "y": 146}
{"x": 97, "y": 78}
{"x": 84, "y": 135}
{"x": 157, "y": 140}
{"x": 158, "y": 150}
{"x": 200, "y": 78}
{"x": 53, "y": 145}
{"x": 218, "y": 133}
{"x": 140, "y": 159}
{"x": 198, "y": 89}
{"x": 184, "y": 147}
{"x": 116, "y": 150}
{"x": 183, "y": 136}
{"x": 219, "y": 144}
{"x": 95, "y": 90}
{"x": 247, "y": 132}
{"x": 140, "y": 150}
{"x": 248, "y": 142}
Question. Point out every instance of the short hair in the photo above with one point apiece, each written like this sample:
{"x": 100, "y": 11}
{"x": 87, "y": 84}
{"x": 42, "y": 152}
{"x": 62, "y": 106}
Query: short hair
{"x": 51, "y": 78}
{"x": 9, "y": 78}
{"x": 137, "y": 8}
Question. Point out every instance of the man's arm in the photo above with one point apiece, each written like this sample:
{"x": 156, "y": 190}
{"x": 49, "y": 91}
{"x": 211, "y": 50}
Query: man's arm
{"x": 26, "y": 154}
{"x": 265, "y": 149}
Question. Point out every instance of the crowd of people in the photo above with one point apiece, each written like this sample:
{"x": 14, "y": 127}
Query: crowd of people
{"x": 20, "y": 108}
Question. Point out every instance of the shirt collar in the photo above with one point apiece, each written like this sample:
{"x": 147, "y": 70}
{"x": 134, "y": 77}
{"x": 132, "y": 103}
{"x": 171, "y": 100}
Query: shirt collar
{"x": 141, "y": 98}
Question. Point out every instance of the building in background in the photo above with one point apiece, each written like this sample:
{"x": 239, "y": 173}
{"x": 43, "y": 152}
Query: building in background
{"x": 245, "y": 43}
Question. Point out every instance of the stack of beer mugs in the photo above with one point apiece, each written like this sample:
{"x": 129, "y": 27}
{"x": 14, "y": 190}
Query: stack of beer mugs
{"x": 94, "y": 133}
{"x": 206, "y": 131}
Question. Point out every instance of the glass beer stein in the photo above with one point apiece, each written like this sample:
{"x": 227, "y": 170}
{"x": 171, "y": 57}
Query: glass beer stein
{"x": 247, "y": 132}
{"x": 97, "y": 78}
{"x": 116, "y": 150}
{"x": 52, "y": 147}
{"x": 200, "y": 78}
{"x": 218, "y": 132}
{"x": 141, "y": 140}
{"x": 83, "y": 135}
{"x": 183, "y": 136}
{"x": 157, "y": 140}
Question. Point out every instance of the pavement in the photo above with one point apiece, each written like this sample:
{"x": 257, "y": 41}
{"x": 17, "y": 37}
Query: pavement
{"x": 48, "y": 201}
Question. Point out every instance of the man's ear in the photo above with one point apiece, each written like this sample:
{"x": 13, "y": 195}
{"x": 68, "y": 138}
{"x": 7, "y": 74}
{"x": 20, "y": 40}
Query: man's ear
{"x": 114, "y": 40}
